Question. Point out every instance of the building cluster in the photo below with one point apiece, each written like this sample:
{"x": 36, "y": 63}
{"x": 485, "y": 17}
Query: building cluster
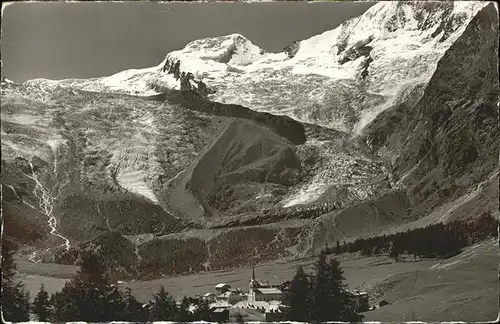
{"x": 262, "y": 302}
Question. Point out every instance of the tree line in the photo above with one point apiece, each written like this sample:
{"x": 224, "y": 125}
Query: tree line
{"x": 91, "y": 297}
{"x": 434, "y": 241}
{"x": 321, "y": 296}
{"x": 303, "y": 212}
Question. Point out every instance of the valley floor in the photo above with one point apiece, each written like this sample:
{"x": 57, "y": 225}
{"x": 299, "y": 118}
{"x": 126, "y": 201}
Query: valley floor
{"x": 464, "y": 287}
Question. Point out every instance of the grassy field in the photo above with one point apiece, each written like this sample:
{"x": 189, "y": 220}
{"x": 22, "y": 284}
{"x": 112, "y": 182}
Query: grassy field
{"x": 359, "y": 272}
{"x": 464, "y": 287}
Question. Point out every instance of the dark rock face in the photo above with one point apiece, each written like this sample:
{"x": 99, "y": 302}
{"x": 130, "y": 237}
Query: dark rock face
{"x": 23, "y": 165}
{"x": 451, "y": 136}
{"x": 242, "y": 157}
{"x": 357, "y": 50}
{"x": 366, "y": 65}
{"x": 184, "y": 78}
{"x": 22, "y": 220}
{"x": 292, "y": 49}
{"x": 29, "y": 167}
{"x": 283, "y": 125}
{"x": 20, "y": 227}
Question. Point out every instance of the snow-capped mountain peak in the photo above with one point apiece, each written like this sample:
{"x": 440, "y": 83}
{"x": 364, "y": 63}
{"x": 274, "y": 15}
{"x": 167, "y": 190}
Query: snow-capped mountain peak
{"x": 341, "y": 79}
{"x": 233, "y": 49}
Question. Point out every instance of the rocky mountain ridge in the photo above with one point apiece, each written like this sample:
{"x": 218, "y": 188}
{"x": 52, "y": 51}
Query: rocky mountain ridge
{"x": 366, "y": 128}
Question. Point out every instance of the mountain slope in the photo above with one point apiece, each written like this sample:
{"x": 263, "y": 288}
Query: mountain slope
{"x": 341, "y": 79}
{"x": 448, "y": 142}
{"x": 390, "y": 135}
{"x": 241, "y": 157}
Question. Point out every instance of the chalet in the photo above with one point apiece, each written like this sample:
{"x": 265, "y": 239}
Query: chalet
{"x": 360, "y": 300}
{"x": 219, "y": 304}
{"x": 233, "y": 296}
{"x": 219, "y": 315}
{"x": 211, "y": 297}
{"x": 285, "y": 286}
{"x": 275, "y": 315}
{"x": 222, "y": 288}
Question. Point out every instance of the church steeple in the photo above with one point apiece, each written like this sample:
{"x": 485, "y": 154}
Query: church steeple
{"x": 253, "y": 283}
{"x": 252, "y": 286}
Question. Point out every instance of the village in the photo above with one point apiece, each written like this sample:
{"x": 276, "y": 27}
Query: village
{"x": 262, "y": 301}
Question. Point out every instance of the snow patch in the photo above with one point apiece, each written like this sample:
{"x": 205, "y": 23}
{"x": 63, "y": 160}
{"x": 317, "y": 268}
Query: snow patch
{"x": 132, "y": 180}
{"x": 308, "y": 193}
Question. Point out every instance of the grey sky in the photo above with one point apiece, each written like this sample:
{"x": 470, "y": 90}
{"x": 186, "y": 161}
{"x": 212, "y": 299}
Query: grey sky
{"x": 81, "y": 40}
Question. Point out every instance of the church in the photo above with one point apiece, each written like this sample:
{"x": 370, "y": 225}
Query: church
{"x": 264, "y": 302}
{"x": 262, "y": 291}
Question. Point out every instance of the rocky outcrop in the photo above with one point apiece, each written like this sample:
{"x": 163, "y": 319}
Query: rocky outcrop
{"x": 361, "y": 48}
{"x": 292, "y": 49}
{"x": 282, "y": 125}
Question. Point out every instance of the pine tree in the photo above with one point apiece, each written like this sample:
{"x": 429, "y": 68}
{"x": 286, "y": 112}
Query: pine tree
{"x": 90, "y": 296}
{"x": 15, "y": 301}
{"x": 394, "y": 253}
{"x": 366, "y": 250}
{"x": 203, "y": 311}
{"x": 164, "y": 308}
{"x": 348, "y": 311}
{"x": 41, "y": 306}
{"x": 321, "y": 301}
{"x": 298, "y": 297}
{"x": 342, "y": 307}
{"x": 330, "y": 299}
{"x": 184, "y": 315}
{"x": 337, "y": 247}
{"x": 134, "y": 312}
{"x": 335, "y": 289}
